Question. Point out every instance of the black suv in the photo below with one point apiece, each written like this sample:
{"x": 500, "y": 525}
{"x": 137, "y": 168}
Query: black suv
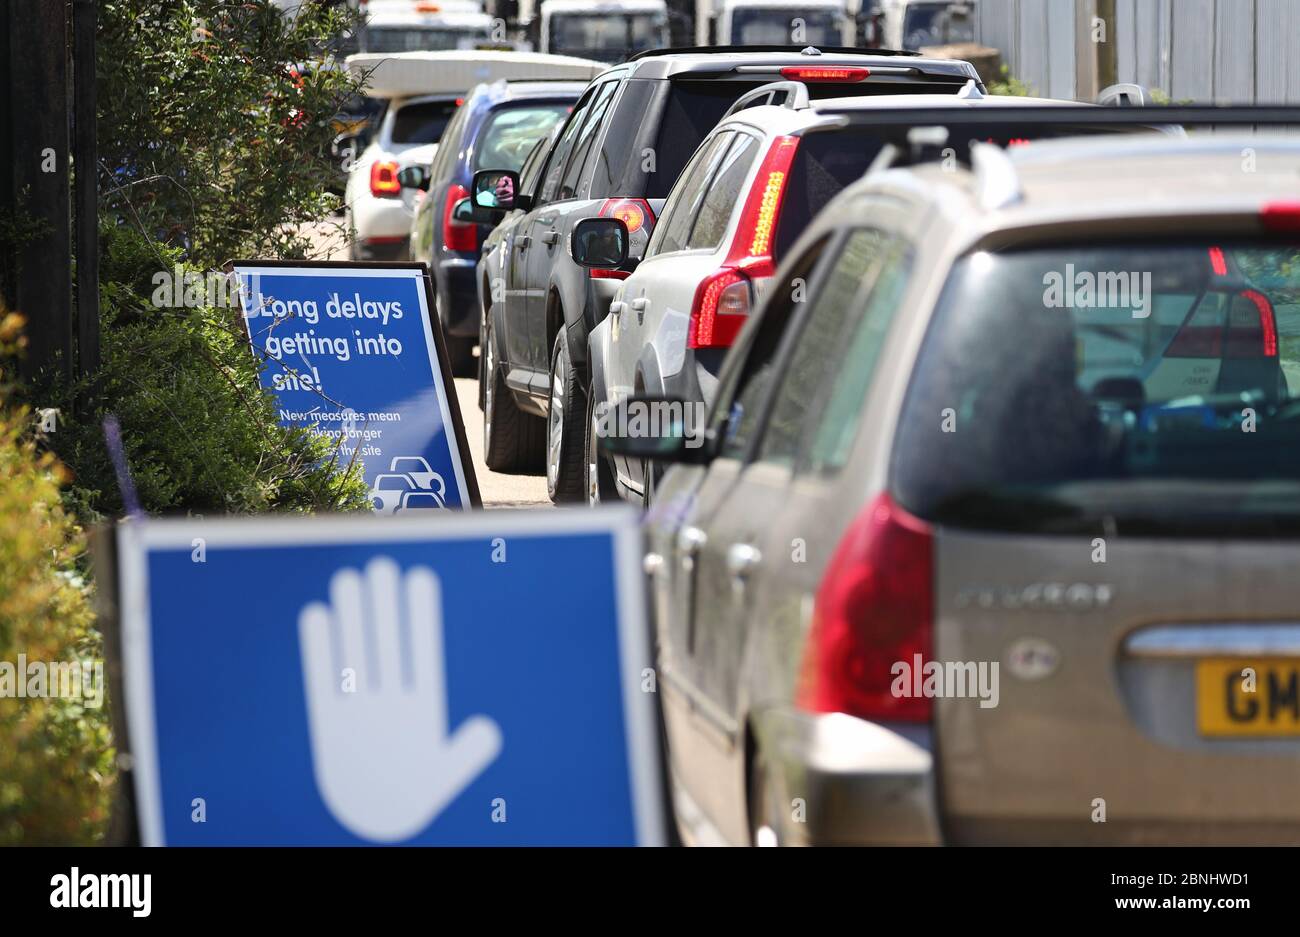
{"x": 620, "y": 152}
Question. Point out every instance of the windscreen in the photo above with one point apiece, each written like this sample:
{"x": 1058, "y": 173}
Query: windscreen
{"x": 423, "y": 122}
{"x": 937, "y": 24}
{"x": 768, "y": 26}
{"x": 420, "y": 38}
{"x": 606, "y": 36}
{"x": 513, "y": 132}
{"x": 1147, "y": 388}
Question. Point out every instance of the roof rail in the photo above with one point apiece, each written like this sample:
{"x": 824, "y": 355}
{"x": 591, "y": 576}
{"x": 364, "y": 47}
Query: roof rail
{"x": 795, "y": 97}
{"x": 997, "y": 184}
{"x": 810, "y": 50}
{"x": 1125, "y": 94}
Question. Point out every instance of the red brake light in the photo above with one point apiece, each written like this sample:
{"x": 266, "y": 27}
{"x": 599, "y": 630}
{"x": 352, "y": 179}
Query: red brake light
{"x": 383, "y": 180}
{"x": 806, "y": 73}
{"x": 752, "y": 248}
{"x": 874, "y": 608}
{"x": 460, "y": 236}
{"x": 1218, "y": 262}
{"x": 1252, "y": 328}
{"x": 1281, "y": 216}
{"x": 722, "y": 302}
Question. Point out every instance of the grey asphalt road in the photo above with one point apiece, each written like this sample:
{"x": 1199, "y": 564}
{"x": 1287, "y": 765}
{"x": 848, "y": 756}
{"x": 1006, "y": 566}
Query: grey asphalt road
{"x": 498, "y": 491}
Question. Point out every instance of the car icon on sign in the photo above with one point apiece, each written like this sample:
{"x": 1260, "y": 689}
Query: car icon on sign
{"x": 418, "y": 470}
{"x": 386, "y": 493}
{"x": 417, "y": 501}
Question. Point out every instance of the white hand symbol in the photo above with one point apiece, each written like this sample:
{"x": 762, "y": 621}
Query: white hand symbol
{"x": 384, "y": 760}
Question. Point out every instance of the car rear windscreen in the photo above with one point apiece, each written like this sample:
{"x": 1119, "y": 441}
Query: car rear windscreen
{"x": 829, "y": 160}
{"x": 512, "y": 132}
{"x": 1145, "y": 388}
{"x": 423, "y": 122}
{"x": 695, "y": 106}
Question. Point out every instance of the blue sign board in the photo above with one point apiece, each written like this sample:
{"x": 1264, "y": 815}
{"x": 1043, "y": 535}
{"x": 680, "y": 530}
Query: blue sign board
{"x": 352, "y": 353}
{"x": 314, "y": 681}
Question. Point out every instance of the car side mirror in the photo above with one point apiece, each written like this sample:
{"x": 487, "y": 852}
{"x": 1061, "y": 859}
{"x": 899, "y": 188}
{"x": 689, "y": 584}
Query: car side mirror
{"x": 662, "y": 429}
{"x": 414, "y": 177}
{"x": 464, "y": 211}
{"x": 600, "y": 243}
{"x": 495, "y": 189}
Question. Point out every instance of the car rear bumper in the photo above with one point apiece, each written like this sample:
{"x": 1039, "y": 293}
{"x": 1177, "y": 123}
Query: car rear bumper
{"x": 861, "y": 783}
{"x": 458, "y": 304}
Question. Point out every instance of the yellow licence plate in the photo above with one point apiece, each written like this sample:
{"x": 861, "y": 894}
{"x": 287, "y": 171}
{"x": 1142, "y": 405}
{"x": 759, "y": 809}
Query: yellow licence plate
{"x": 1244, "y": 697}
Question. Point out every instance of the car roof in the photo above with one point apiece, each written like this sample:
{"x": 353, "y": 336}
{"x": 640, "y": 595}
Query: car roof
{"x": 1096, "y": 184}
{"x": 501, "y": 91}
{"x": 715, "y": 62}
{"x": 829, "y": 112}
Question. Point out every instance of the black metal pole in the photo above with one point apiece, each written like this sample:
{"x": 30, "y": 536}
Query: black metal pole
{"x": 85, "y": 14}
{"x": 38, "y": 85}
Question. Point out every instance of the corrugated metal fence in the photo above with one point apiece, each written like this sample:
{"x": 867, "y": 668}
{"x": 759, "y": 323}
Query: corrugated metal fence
{"x": 1244, "y": 51}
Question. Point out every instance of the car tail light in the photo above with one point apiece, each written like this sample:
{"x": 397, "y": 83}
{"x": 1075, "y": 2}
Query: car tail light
{"x": 752, "y": 248}
{"x": 723, "y": 299}
{"x": 1281, "y": 216}
{"x": 633, "y": 212}
{"x": 1252, "y": 327}
{"x": 874, "y": 609}
{"x": 383, "y": 180}
{"x": 722, "y": 303}
{"x": 1218, "y": 263}
{"x": 807, "y": 73}
{"x": 461, "y": 236}
{"x": 639, "y": 217}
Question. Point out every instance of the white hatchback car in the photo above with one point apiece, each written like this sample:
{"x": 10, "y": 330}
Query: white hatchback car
{"x": 752, "y": 187}
{"x": 379, "y": 209}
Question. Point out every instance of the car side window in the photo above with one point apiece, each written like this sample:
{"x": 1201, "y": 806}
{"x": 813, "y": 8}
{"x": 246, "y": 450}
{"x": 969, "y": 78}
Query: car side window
{"x": 816, "y": 344}
{"x": 569, "y": 187}
{"x": 734, "y": 421}
{"x": 532, "y": 166}
{"x": 684, "y": 201}
{"x": 723, "y": 195}
{"x": 563, "y": 147}
{"x": 834, "y": 429}
{"x": 449, "y": 146}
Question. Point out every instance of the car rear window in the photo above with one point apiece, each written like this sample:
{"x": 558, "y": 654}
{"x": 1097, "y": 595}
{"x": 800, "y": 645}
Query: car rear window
{"x": 423, "y": 122}
{"x": 828, "y": 160}
{"x": 1153, "y": 390}
{"x": 512, "y": 132}
{"x": 695, "y": 106}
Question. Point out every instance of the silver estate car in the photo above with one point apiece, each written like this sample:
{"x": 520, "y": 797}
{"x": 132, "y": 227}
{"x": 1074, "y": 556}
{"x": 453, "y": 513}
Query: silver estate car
{"x": 994, "y": 530}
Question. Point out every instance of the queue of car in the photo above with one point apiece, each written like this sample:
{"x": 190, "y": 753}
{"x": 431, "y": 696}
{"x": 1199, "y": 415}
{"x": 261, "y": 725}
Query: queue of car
{"x": 928, "y": 439}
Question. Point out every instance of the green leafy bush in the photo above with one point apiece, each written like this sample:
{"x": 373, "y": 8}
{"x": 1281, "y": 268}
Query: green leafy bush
{"x": 56, "y": 754}
{"x": 200, "y": 434}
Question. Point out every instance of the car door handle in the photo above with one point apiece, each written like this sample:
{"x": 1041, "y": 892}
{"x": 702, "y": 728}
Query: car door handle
{"x": 523, "y": 241}
{"x": 743, "y": 559}
{"x": 551, "y": 238}
{"x": 641, "y": 305}
{"x": 689, "y": 542}
{"x": 617, "y": 307}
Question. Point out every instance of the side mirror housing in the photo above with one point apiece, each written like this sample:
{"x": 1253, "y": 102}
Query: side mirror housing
{"x": 414, "y": 177}
{"x": 599, "y": 243}
{"x": 495, "y": 189}
{"x": 661, "y": 429}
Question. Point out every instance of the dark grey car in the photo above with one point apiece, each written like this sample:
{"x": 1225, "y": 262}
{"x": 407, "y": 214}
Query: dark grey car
{"x": 619, "y": 154}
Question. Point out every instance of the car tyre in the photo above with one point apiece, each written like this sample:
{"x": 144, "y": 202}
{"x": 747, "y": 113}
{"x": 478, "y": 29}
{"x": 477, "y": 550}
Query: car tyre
{"x": 597, "y": 473}
{"x": 513, "y": 440}
{"x": 460, "y": 351}
{"x": 566, "y": 433}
